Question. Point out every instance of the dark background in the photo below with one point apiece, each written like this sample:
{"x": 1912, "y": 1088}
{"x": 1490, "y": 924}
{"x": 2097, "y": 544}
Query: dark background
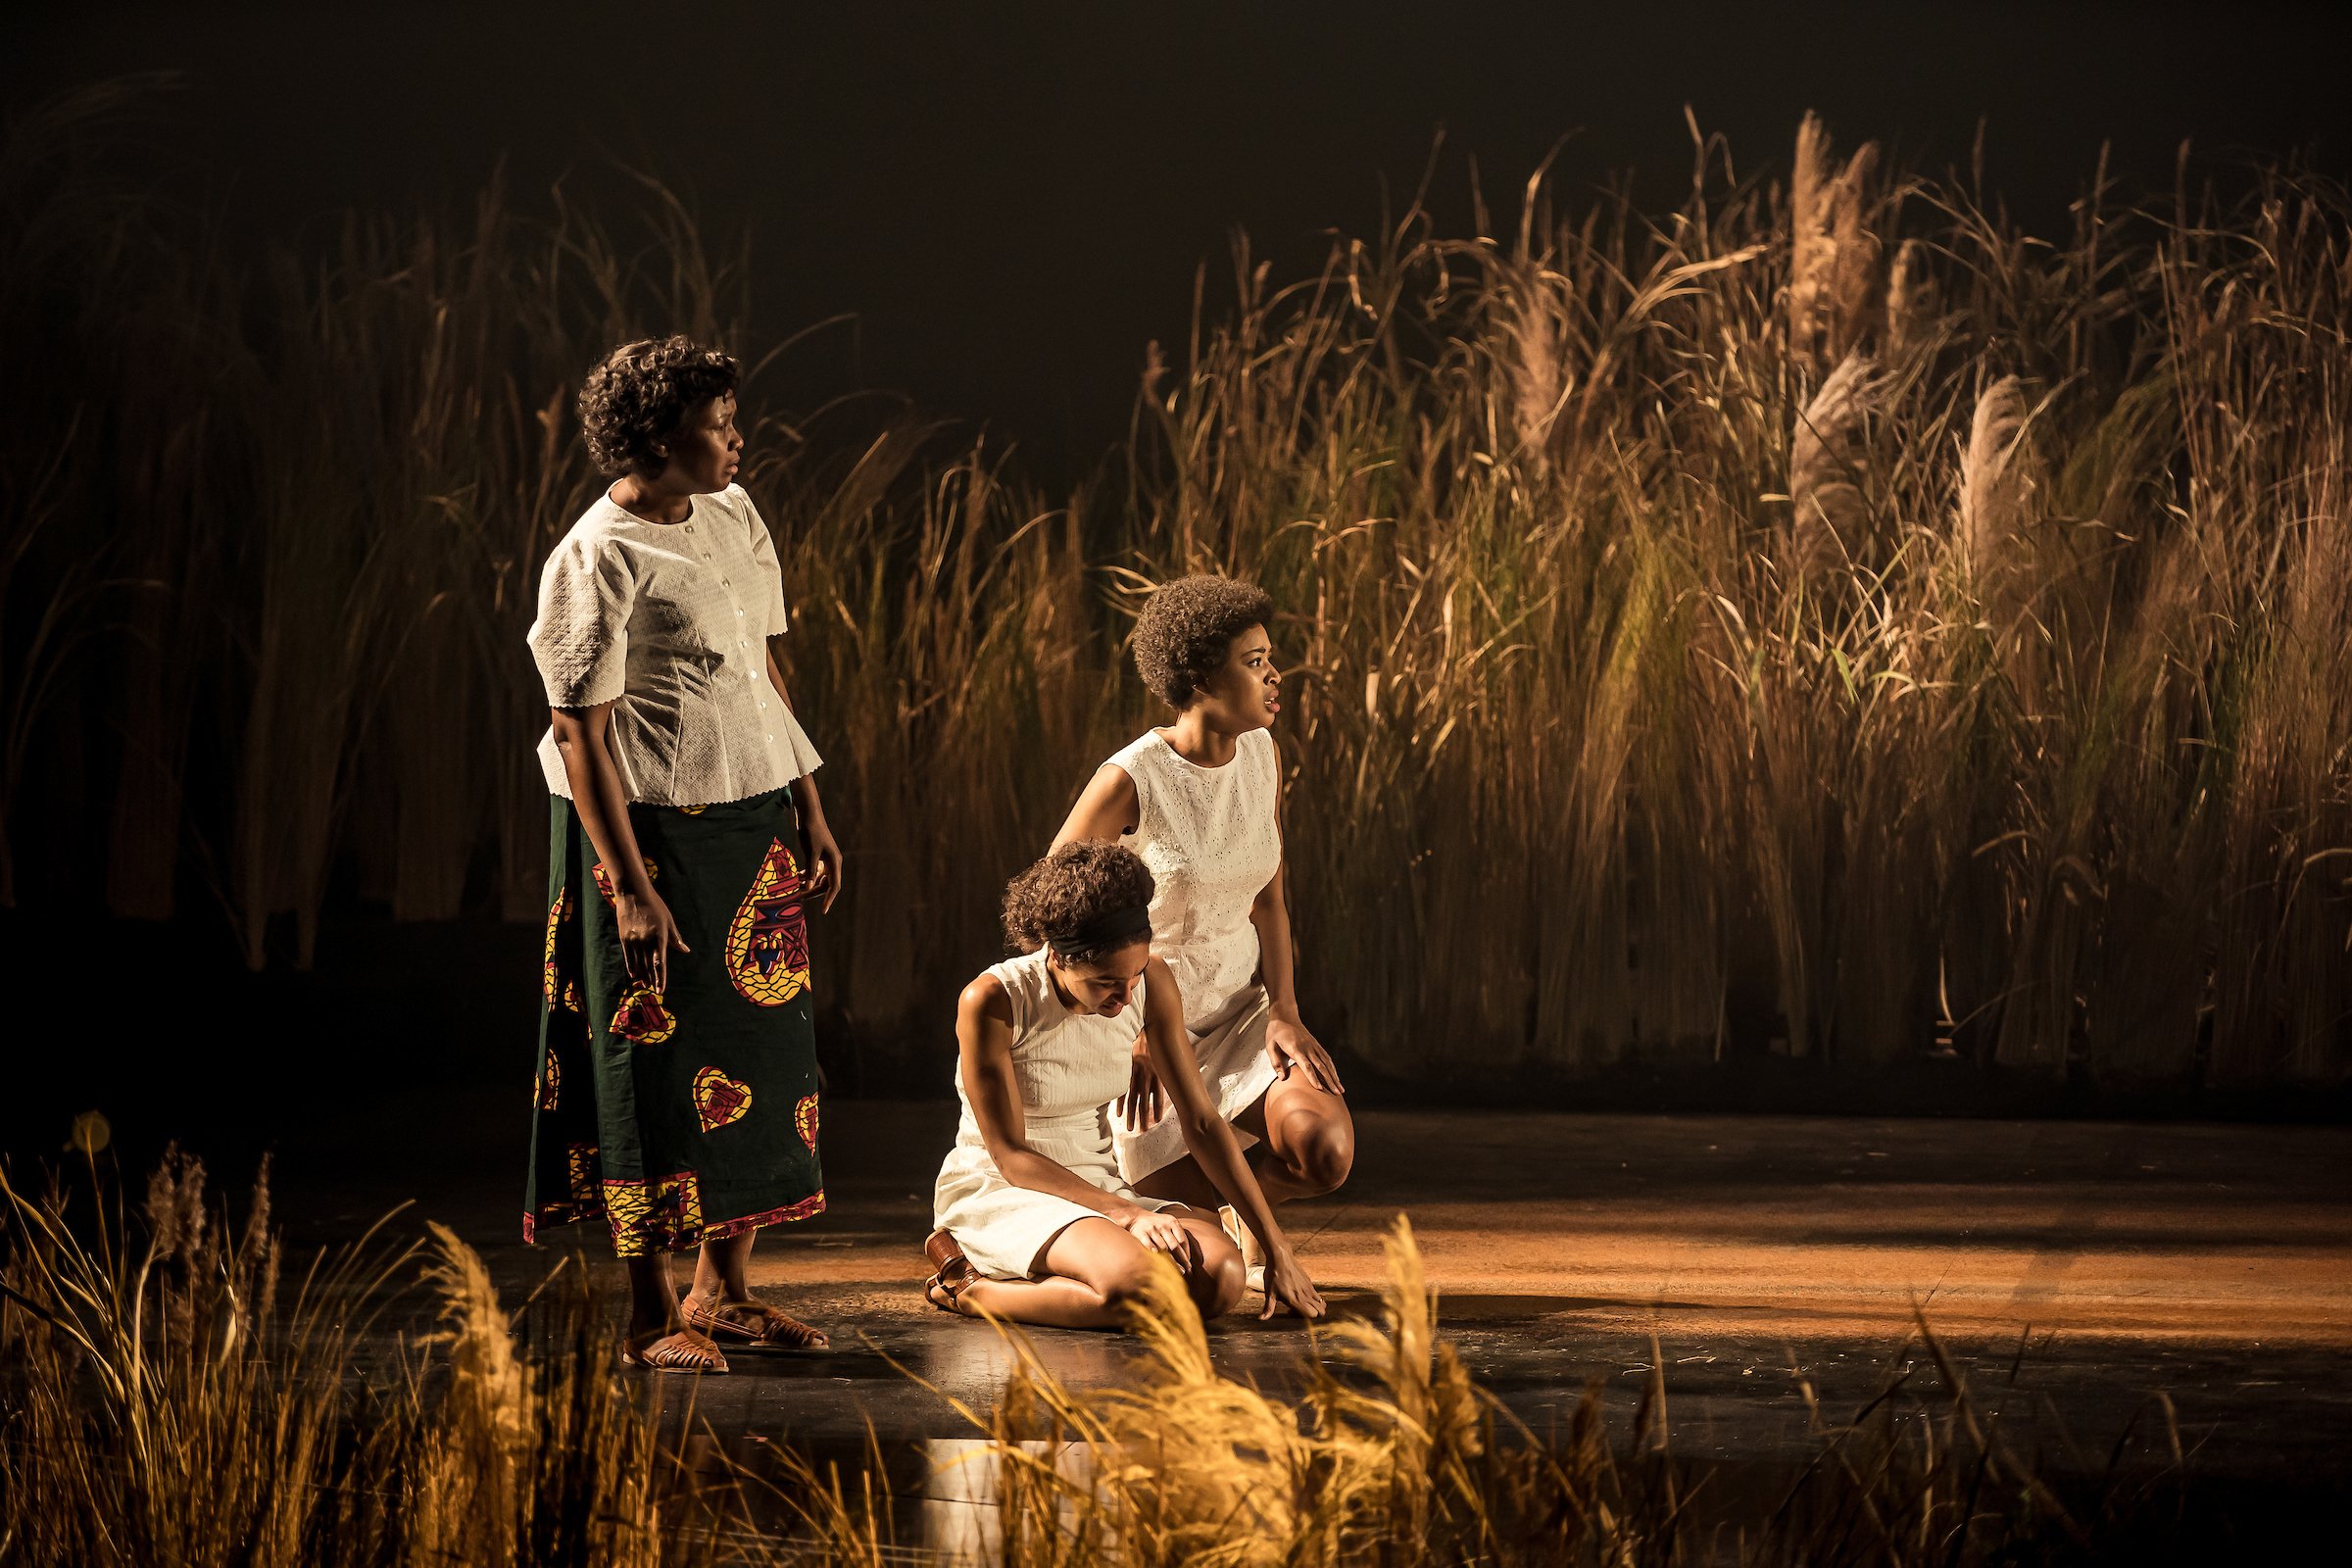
{"x": 1012, "y": 199}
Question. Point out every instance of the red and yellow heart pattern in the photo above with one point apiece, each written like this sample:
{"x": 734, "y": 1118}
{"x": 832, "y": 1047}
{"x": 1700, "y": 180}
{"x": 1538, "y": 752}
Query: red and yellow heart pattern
{"x": 642, "y": 1017}
{"x": 767, "y": 941}
{"x": 719, "y": 1099}
{"x": 804, "y": 1116}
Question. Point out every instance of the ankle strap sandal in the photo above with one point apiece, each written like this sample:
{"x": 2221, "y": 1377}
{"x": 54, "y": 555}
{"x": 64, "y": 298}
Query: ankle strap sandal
{"x": 951, "y": 1271}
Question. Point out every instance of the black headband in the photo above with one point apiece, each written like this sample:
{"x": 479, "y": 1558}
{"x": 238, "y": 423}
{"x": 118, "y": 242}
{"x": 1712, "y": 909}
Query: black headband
{"x": 1105, "y": 933}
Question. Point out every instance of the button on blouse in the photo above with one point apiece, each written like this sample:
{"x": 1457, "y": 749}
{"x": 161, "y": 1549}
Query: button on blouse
{"x": 669, "y": 622}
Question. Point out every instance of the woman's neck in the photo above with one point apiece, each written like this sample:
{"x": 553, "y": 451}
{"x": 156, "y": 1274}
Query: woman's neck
{"x": 642, "y": 498}
{"x": 1061, "y": 992}
{"x": 1197, "y": 741}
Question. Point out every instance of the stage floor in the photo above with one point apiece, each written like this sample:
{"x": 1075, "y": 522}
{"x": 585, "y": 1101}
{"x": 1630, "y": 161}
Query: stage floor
{"x": 2071, "y": 1269}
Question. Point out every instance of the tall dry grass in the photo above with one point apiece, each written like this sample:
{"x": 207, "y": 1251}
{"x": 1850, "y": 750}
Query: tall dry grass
{"x": 168, "y": 1402}
{"x": 1820, "y": 617}
{"x": 1706, "y": 616}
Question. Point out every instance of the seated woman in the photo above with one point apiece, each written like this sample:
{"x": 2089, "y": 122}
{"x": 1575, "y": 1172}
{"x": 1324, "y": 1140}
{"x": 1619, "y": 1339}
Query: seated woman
{"x": 1034, "y": 1223}
{"x": 1201, "y": 800}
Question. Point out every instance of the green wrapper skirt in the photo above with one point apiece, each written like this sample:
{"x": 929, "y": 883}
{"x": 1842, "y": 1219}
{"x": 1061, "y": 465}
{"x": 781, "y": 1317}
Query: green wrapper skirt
{"x": 681, "y": 1115}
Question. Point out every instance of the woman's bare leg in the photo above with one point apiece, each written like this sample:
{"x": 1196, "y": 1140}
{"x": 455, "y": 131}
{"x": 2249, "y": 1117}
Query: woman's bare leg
{"x": 652, "y": 1302}
{"x": 722, "y": 1283}
{"x": 655, "y": 1325}
{"x": 1095, "y": 1271}
{"x": 1306, "y": 1146}
{"x": 1308, "y": 1137}
{"x": 720, "y": 1268}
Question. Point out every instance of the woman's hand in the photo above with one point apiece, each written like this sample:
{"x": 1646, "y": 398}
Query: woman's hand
{"x": 647, "y": 931}
{"x": 1286, "y": 1284}
{"x": 1292, "y": 1047}
{"x": 1147, "y": 1098}
{"x": 1159, "y": 1232}
{"x": 822, "y": 856}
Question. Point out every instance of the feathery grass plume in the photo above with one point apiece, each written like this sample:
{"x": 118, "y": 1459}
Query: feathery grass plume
{"x": 1830, "y": 512}
{"x": 1913, "y": 315}
{"x": 490, "y": 1393}
{"x": 1425, "y": 1424}
{"x": 1541, "y": 381}
{"x": 1170, "y": 1444}
{"x": 1834, "y": 302}
{"x": 1996, "y": 496}
{"x": 1996, "y": 486}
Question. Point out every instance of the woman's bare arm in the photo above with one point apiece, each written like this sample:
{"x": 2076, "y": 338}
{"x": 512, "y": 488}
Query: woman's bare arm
{"x": 984, "y": 1047}
{"x": 818, "y": 852}
{"x": 1106, "y": 810}
{"x": 1209, "y": 1140}
{"x": 1270, "y": 912}
{"x": 647, "y": 931}
{"x": 1288, "y": 1039}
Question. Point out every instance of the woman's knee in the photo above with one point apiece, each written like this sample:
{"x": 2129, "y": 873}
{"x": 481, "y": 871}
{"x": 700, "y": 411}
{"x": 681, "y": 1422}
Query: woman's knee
{"x": 1219, "y": 1282}
{"x": 1128, "y": 1284}
{"x": 1322, "y": 1153}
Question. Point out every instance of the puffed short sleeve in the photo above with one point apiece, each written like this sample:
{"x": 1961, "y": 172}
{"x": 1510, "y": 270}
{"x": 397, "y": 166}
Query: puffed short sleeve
{"x": 763, "y": 554}
{"x": 581, "y": 638}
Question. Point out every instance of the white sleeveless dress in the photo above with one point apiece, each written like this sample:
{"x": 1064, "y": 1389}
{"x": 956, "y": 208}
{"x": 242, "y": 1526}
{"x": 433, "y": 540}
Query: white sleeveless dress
{"x": 1210, "y": 838}
{"x": 1067, "y": 1066}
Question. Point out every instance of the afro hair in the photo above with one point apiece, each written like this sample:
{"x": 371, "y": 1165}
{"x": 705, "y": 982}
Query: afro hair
{"x": 1186, "y": 633}
{"x": 641, "y": 392}
{"x": 1071, "y": 888}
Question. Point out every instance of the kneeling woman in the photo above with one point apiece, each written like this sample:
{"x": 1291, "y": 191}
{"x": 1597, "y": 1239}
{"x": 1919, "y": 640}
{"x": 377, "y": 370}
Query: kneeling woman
{"x": 1034, "y": 1223}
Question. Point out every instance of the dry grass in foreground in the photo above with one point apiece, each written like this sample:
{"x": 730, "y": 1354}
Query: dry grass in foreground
{"x": 169, "y": 1401}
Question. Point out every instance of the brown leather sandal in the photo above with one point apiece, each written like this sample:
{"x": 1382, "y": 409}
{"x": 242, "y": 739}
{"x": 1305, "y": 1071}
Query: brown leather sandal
{"x": 752, "y": 1323}
{"x": 683, "y": 1350}
{"x": 951, "y": 1271}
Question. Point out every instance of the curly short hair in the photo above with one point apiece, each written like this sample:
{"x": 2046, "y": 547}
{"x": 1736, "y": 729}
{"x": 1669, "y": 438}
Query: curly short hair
{"x": 641, "y": 392}
{"x": 1187, "y": 630}
{"x": 1071, "y": 888}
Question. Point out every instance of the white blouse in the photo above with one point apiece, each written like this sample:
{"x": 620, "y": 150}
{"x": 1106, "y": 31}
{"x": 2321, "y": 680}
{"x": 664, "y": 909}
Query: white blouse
{"x": 669, "y": 622}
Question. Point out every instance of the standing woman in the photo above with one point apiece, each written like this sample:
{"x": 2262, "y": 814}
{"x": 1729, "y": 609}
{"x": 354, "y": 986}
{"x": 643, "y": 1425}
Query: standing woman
{"x": 1200, "y": 799}
{"x": 676, "y": 1091}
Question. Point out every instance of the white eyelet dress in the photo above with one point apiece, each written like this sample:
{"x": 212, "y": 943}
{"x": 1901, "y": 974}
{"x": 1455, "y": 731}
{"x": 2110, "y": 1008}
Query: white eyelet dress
{"x": 1068, "y": 1065}
{"x": 1210, "y": 838}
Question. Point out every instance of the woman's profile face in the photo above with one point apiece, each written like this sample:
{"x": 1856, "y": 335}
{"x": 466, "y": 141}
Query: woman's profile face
{"x": 1246, "y": 693}
{"x": 1104, "y": 985}
{"x": 702, "y": 455}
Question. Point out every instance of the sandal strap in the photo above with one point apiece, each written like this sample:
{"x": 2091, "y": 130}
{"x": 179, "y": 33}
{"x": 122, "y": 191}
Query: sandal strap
{"x": 942, "y": 1251}
{"x": 777, "y": 1327}
{"x": 679, "y": 1351}
{"x": 789, "y": 1332}
{"x": 954, "y": 1276}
